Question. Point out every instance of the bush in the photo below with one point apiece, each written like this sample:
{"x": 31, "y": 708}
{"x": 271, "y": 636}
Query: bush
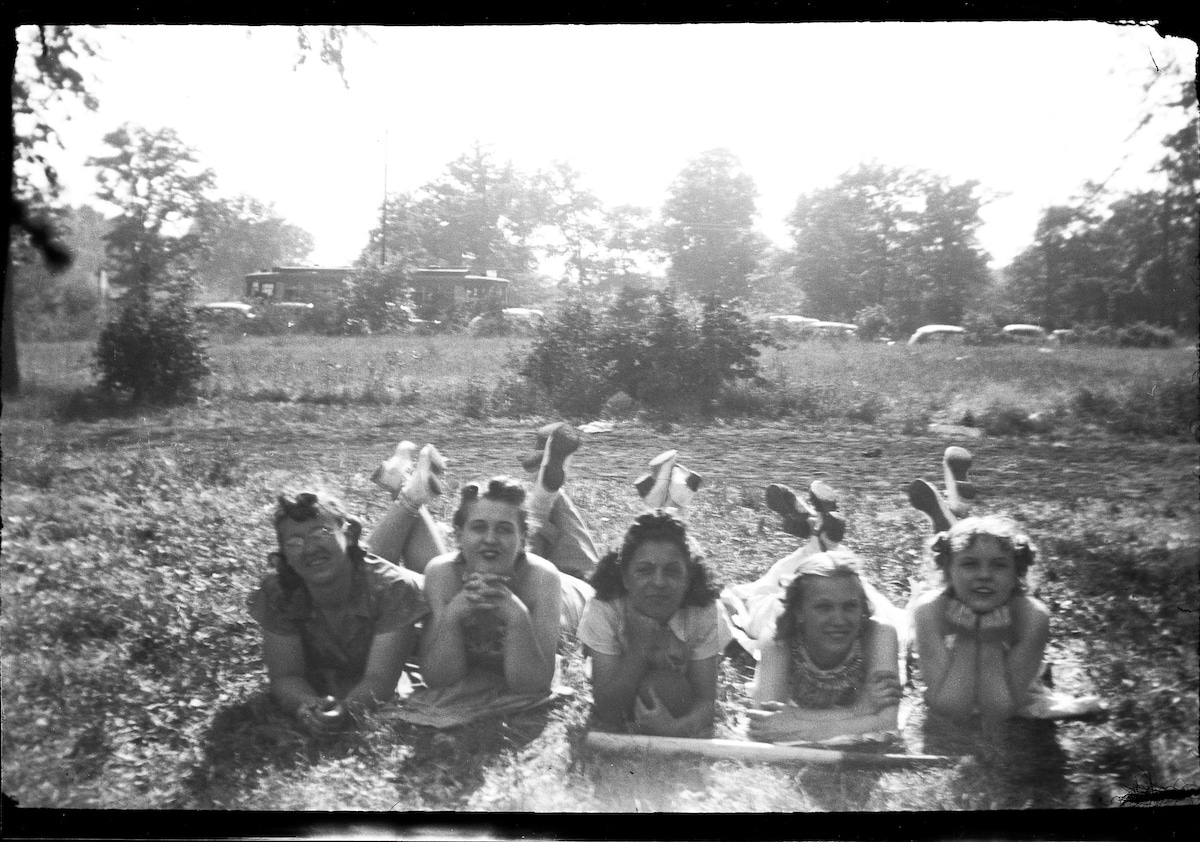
{"x": 152, "y": 351}
{"x": 1000, "y": 419}
{"x": 371, "y": 297}
{"x": 665, "y": 357}
{"x": 874, "y": 322}
{"x": 566, "y": 359}
{"x": 982, "y": 329}
{"x": 1145, "y": 335}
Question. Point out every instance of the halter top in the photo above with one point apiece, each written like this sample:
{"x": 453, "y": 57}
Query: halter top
{"x": 815, "y": 688}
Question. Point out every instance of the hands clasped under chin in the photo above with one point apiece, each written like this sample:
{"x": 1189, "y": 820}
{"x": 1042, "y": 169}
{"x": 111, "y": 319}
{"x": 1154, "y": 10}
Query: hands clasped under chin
{"x": 488, "y": 594}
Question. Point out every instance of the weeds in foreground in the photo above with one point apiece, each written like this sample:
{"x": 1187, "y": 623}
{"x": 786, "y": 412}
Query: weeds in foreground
{"x": 132, "y": 674}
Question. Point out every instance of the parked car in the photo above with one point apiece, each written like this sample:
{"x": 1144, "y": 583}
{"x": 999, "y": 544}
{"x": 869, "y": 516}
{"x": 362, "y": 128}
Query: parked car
{"x": 783, "y": 318}
{"x": 831, "y": 330}
{"x": 1025, "y": 333}
{"x": 225, "y": 315}
{"x": 937, "y": 333}
{"x": 508, "y": 320}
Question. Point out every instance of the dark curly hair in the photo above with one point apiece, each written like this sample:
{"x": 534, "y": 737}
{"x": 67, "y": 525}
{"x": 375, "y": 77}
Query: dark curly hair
{"x": 502, "y": 489}
{"x": 962, "y": 534}
{"x": 658, "y": 525}
{"x": 838, "y": 563}
{"x": 309, "y": 505}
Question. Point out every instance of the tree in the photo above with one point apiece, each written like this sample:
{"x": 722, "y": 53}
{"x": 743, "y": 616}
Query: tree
{"x": 483, "y": 214}
{"x": 707, "y": 226}
{"x": 156, "y": 182}
{"x": 44, "y": 73}
{"x": 943, "y": 245}
{"x": 406, "y": 226}
{"x": 901, "y": 239}
{"x": 562, "y": 203}
{"x": 152, "y": 350}
{"x": 630, "y": 244}
{"x": 243, "y": 235}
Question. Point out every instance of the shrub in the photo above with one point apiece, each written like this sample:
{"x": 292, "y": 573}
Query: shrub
{"x": 665, "y": 356}
{"x": 1003, "y": 420}
{"x": 373, "y": 295}
{"x": 867, "y": 410}
{"x": 565, "y": 359}
{"x": 1145, "y": 335}
{"x": 873, "y": 322}
{"x": 982, "y": 329}
{"x": 152, "y": 351}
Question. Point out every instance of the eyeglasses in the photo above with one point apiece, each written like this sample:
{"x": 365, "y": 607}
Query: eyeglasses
{"x": 297, "y": 544}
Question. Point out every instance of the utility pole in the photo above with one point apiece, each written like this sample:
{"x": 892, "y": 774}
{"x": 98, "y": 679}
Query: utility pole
{"x": 383, "y": 207}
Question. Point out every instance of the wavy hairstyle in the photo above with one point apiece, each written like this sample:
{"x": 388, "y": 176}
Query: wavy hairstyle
{"x": 502, "y": 489}
{"x": 961, "y": 535}
{"x": 657, "y": 525}
{"x": 309, "y": 505}
{"x": 836, "y": 563}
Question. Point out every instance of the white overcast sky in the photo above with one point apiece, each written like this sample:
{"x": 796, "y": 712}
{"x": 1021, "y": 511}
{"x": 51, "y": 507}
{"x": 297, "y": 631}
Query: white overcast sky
{"x": 1030, "y": 110}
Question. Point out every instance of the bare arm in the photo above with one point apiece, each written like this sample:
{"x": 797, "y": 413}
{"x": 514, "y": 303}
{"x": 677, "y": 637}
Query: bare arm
{"x": 876, "y": 708}
{"x": 771, "y": 674}
{"x": 385, "y": 662}
{"x": 615, "y": 681}
{"x": 443, "y": 649}
{"x": 284, "y": 658}
{"x": 697, "y": 722}
{"x": 531, "y": 633}
{"x": 948, "y": 671}
{"x": 1006, "y": 673}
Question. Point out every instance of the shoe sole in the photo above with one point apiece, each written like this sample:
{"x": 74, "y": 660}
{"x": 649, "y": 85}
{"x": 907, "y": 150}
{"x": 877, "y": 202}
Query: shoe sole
{"x": 563, "y": 441}
{"x": 955, "y": 463}
{"x": 926, "y": 499}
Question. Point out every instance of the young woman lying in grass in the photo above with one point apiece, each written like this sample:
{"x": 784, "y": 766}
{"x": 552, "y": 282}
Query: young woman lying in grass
{"x": 338, "y": 623}
{"x": 495, "y": 607}
{"x": 981, "y": 639}
{"x": 830, "y": 670}
{"x": 655, "y": 632}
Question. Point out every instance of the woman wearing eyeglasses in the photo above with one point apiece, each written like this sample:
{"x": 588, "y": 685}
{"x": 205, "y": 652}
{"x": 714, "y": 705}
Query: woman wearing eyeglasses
{"x": 338, "y": 623}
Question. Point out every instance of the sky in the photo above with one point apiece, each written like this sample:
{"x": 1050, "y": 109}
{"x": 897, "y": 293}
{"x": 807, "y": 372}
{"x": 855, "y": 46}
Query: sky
{"x": 1031, "y": 110}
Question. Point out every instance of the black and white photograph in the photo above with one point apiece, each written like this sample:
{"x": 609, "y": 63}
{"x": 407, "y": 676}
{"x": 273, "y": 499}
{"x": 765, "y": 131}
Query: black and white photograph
{"x": 607, "y": 418}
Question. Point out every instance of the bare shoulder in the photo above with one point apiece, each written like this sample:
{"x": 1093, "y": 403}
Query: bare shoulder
{"x": 541, "y": 571}
{"x": 442, "y": 571}
{"x": 879, "y": 630}
{"x": 1028, "y": 609}
{"x": 928, "y": 604}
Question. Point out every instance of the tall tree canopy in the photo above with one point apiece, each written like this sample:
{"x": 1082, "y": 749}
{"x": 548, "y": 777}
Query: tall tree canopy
{"x": 479, "y": 212}
{"x": 901, "y": 239}
{"x": 707, "y": 229}
{"x": 560, "y": 202}
{"x": 243, "y": 235}
{"x": 1136, "y": 259}
{"x": 156, "y": 181}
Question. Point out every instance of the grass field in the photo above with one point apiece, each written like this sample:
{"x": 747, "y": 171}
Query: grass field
{"x": 131, "y": 673}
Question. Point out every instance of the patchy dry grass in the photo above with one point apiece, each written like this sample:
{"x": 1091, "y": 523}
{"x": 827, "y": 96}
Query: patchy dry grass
{"x": 132, "y": 676}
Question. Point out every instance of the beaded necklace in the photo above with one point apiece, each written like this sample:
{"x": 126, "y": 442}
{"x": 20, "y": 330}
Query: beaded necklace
{"x": 816, "y": 688}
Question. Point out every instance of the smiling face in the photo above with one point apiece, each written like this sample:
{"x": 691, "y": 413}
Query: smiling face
{"x": 830, "y": 616}
{"x": 656, "y": 578}
{"x": 491, "y": 537}
{"x": 983, "y": 574}
{"x": 315, "y": 548}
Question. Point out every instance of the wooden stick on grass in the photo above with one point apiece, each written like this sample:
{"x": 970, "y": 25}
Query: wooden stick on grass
{"x": 678, "y": 747}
